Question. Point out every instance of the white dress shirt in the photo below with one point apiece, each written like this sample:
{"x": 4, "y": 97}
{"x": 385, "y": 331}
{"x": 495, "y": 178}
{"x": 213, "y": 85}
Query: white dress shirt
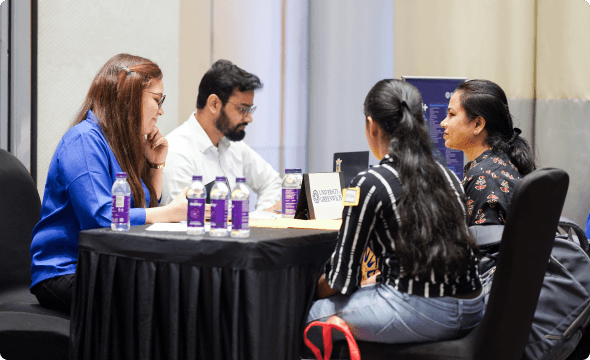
{"x": 191, "y": 152}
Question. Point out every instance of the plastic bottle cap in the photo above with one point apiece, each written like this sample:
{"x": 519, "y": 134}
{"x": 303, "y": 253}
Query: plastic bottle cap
{"x": 121, "y": 175}
{"x": 241, "y": 179}
{"x": 220, "y": 178}
{"x": 197, "y": 178}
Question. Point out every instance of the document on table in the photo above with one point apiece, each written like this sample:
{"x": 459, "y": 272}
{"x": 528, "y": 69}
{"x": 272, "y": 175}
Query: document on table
{"x": 263, "y": 215}
{"x": 181, "y": 226}
{"x": 284, "y": 223}
{"x": 273, "y": 223}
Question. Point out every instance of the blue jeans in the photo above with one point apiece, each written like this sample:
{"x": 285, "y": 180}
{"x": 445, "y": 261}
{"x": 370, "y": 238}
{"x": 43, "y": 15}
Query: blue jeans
{"x": 379, "y": 313}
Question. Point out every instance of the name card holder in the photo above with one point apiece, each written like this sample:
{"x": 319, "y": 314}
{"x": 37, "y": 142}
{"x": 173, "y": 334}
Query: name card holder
{"x": 320, "y": 196}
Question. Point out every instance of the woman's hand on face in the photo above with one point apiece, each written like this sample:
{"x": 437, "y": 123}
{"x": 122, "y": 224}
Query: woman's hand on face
{"x": 155, "y": 147}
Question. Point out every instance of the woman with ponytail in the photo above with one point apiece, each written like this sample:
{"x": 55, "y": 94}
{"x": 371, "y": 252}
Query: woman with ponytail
{"x": 411, "y": 213}
{"x": 479, "y": 123}
{"x": 114, "y": 131}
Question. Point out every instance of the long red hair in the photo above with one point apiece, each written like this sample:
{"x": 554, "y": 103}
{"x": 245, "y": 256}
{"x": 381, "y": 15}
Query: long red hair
{"x": 115, "y": 98}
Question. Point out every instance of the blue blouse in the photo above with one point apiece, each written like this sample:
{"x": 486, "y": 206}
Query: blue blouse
{"x": 77, "y": 197}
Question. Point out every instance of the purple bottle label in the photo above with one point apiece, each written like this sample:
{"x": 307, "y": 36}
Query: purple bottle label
{"x": 196, "y": 213}
{"x": 239, "y": 215}
{"x": 120, "y": 214}
{"x": 289, "y": 203}
{"x": 218, "y": 214}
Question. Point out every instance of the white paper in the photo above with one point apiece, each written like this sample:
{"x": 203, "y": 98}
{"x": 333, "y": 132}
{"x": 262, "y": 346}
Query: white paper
{"x": 180, "y": 227}
{"x": 263, "y": 215}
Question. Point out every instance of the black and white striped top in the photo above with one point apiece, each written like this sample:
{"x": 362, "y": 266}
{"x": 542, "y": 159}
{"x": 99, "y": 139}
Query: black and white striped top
{"x": 374, "y": 223}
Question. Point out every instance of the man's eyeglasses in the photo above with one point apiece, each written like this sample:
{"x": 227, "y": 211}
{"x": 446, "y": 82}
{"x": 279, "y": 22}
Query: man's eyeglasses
{"x": 162, "y": 98}
{"x": 244, "y": 110}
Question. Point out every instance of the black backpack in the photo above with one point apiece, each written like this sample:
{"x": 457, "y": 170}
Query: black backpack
{"x": 563, "y": 309}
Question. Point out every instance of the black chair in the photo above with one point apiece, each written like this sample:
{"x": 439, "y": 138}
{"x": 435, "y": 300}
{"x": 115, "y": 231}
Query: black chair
{"x": 526, "y": 245}
{"x": 27, "y": 330}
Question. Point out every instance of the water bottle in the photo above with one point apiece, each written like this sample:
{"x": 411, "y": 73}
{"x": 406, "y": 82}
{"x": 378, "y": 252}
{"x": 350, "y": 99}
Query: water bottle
{"x": 219, "y": 205}
{"x": 299, "y": 175}
{"x": 290, "y": 194}
{"x": 121, "y": 202}
{"x": 239, "y": 210}
{"x": 195, "y": 219}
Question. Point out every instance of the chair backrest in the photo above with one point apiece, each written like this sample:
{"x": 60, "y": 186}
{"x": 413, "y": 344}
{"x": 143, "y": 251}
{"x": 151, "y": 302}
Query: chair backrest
{"x": 20, "y": 209}
{"x": 524, "y": 252}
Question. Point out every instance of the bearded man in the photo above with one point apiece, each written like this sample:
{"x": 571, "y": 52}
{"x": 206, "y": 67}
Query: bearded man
{"x": 210, "y": 142}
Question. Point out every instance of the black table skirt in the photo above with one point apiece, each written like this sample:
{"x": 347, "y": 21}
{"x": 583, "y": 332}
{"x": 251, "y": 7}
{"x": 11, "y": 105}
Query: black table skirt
{"x": 143, "y": 295}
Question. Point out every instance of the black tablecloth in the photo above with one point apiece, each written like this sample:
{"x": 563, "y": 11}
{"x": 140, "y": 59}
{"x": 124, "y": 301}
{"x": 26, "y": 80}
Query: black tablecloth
{"x": 163, "y": 295}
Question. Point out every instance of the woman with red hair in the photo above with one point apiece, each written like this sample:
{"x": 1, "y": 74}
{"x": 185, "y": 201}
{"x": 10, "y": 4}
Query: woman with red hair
{"x": 114, "y": 131}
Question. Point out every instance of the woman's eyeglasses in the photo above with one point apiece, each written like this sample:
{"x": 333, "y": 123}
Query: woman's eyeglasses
{"x": 162, "y": 98}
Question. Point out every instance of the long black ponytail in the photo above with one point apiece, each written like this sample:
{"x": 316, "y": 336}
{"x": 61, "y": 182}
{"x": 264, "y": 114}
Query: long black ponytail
{"x": 487, "y": 99}
{"x": 433, "y": 232}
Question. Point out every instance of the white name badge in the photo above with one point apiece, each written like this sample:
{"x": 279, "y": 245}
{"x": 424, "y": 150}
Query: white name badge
{"x": 351, "y": 196}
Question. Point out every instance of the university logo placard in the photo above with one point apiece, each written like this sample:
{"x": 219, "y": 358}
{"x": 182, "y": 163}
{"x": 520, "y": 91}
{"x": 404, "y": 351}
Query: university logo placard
{"x": 323, "y": 196}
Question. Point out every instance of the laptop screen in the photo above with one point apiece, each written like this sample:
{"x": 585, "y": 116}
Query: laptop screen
{"x": 351, "y": 163}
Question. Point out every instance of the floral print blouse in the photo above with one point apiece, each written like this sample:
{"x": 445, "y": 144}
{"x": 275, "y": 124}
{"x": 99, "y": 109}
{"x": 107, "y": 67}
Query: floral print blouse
{"x": 489, "y": 181}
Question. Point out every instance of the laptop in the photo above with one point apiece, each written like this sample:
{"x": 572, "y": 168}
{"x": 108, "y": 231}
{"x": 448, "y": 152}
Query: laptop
{"x": 351, "y": 163}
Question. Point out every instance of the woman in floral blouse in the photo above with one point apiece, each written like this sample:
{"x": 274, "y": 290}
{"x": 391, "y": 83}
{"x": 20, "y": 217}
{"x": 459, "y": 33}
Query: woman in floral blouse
{"x": 479, "y": 123}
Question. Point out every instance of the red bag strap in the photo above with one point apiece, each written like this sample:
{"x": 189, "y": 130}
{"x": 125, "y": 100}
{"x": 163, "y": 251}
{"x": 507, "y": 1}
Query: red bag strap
{"x": 333, "y": 323}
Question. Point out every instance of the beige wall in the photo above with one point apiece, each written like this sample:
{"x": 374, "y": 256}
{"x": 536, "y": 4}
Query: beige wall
{"x": 495, "y": 40}
{"x": 194, "y": 55}
{"x": 475, "y": 39}
{"x": 563, "y": 53}
{"x": 562, "y": 123}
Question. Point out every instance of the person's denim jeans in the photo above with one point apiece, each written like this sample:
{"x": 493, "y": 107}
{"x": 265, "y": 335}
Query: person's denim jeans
{"x": 379, "y": 313}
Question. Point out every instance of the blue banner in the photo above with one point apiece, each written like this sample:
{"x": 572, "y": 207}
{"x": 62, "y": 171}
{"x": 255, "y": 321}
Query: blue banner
{"x": 436, "y": 93}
